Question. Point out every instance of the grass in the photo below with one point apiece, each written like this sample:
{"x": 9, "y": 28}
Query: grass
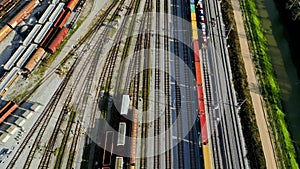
{"x": 247, "y": 115}
{"x": 284, "y": 147}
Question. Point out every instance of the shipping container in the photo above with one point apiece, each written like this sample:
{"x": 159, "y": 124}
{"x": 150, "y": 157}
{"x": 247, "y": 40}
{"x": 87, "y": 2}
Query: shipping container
{"x": 119, "y": 163}
{"x": 194, "y": 25}
{"x": 193, "y": 17}
{"x": 56, "y": 12}
{"x": 121, "y": 134}
{"x": 125, "y": 105}
{"x": 193, "y": 8}
{"x": 58, "y": 39}
{"x": 13, "y": 59}
{"x": 32, "y": 34}
{"x": 206, "y": 156}
{"x": 72, "y": 4}
{"x": 195, "y": 34}
{"x": 7, "y": 109}
{"x": 8, "y": 79}
{"x": 23, "y": 13}
{"x": 196, "y": 51}
{"x": 5, "y": 30}
{"x": 43, "y": 32}
{"x": 46, "y": 14}
{"x": 201, "y": 106}
{"x": 35, "y": 59}
{"x": 204, "y": 135}
{"x": 198, "y": 73}
{"x": 62, "y": 19}
{"x": 26, "y": 55}
{"x": 108, "y": 148}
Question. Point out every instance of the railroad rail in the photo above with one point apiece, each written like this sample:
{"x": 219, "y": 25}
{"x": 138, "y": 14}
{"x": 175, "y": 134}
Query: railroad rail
{"x": 46, "y": 115}
{"x": 168, "y": 155}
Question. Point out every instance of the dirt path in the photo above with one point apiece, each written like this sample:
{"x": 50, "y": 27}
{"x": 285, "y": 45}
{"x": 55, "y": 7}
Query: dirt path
{"x": 260, "y": 113}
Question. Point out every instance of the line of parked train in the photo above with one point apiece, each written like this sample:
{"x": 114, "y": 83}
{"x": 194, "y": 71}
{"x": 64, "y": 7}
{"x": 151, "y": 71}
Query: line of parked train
{"x": 198, "y": 71}
{"x": 45, "y": 36}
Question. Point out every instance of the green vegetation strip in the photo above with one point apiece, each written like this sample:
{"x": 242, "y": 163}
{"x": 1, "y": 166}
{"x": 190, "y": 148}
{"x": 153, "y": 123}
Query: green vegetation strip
{"x": 285, "y": 150}
{"x": 247, "y": 115}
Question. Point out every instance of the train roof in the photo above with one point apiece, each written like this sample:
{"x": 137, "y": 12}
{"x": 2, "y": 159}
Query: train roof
{"x": 8, "y": 78}
{"x": 32, "y": 34}
{"x": 56, "y": 12}
{"x": 125, "y": 104}
{"x": 26, "y": 55}
{"x": 12, "y": 60}
{"x": 43, "y": 32}
{"x": 46, "y": 14}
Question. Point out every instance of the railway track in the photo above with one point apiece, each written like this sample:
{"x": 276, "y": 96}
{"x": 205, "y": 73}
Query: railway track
{"x": 157, "y": 79}
{"x": 187, "y": 60}
{"x": 46, "y": 115}
{"x": 88, "y": 80}
{"x": 168, "y": 156}
{"x": 231, "y": 143}
{"x": 177, "y": 89}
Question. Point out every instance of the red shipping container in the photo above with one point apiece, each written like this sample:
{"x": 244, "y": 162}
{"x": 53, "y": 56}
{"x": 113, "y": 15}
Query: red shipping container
{"x": 196, "y": 51}
{"x": 58, "y": 39}
{"x": 204, "y": 134}
{"x": 198, "y": 73}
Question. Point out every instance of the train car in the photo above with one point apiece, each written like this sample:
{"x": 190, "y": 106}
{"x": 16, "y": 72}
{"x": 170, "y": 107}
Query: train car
{"x": 32, "y": 34}
{"x": 125, "y": 105}
{"x": 121, "y": 134}
{"x": 4, "y": 31}
{"x": 26, "y": 55}
{"x": 7, "y": 110}
{"x": 34, "y": 60}
{"x": 56, "y": 12}
{"x": 72, "y": 4}
{"x": 119, "y": 163}
{"x": 46, "y": 14}
{"x": 196, "y": 51}
{"x": 4, "y": 3}
{"x": 62, "y": 19}
{"x": 204, "y": 134}
{"x": 23, "y": 13}
{"x": 55, "y": 2}
{"x": 206, "y": 155}
{"x": 13, "y": 59}
{"x": 43, "y": 32}
{"x": 8, "y": 80}
{"x": 49, "y": 37}
{"x": 106, "y": 160}
{"x": 57, "y": 40}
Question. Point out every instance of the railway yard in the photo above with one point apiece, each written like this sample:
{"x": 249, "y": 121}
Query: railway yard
{"x": 117, "y": 84}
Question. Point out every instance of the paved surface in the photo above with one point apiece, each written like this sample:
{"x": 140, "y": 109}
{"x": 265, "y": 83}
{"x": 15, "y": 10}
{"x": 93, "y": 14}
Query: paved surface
{"x": 257, "y": 101}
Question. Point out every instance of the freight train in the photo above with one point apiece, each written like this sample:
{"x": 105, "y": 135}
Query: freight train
{"x": 7, "y": 109}
{"x": 18, "y": 18}
{"x": 199, "y": 82}
{"x": 45, "y": 36}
